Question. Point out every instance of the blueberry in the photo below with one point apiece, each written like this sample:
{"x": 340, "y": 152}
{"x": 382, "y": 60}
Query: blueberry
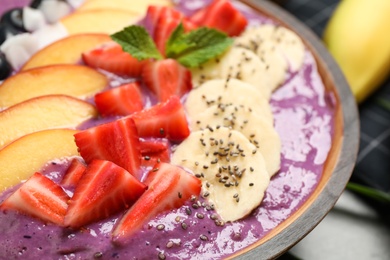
{"x": 6, "y": 32}
{"x": 5, "y": 67}
{"x": 36, "y": 3}
{"x": 14, "y": 18}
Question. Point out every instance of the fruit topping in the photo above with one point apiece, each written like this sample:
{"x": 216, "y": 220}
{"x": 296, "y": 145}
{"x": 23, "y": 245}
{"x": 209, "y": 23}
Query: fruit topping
{"x": 154, "y": 151}
{"x": 14, "y": 19}
{"x": 112, "y": 58}
{"x": 166, "y": 78}
{"x": 116, "y": 141}
{"x": 103, "y": 190}
{"x": 169, "y": 187}
{"x": 234, "y": 177}
{"x": 120, "y": 101}
{"x": 164, "y": 120}
{"x": 221, "y": 15}
{"x": 39, "y": 197}
{"x": 73, "y": 174}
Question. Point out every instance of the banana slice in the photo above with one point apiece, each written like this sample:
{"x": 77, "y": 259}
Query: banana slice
{"x": 265, "y": 38}
{"x": 238, "y": 63}
{"x": 234, "y": 177}
{"x": 228, "y": 91}
{"x": 254, "y": 127}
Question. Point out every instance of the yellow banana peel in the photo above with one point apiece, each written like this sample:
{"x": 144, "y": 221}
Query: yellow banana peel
{"x": 358, "y": 37}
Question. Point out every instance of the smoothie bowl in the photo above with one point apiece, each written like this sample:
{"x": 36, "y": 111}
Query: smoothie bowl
{"x": 219, "y": 136}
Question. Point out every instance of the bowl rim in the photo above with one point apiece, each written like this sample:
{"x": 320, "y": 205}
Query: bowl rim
{"x": 342, "y": 157}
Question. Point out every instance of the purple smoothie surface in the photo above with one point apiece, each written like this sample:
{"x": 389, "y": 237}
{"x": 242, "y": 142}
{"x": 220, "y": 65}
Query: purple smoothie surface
{"x": 301, "y": 103}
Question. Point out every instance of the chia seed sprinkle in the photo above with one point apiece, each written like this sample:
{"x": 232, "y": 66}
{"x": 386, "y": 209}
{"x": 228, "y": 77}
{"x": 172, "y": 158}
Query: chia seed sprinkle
{"x": 160, "y": 227}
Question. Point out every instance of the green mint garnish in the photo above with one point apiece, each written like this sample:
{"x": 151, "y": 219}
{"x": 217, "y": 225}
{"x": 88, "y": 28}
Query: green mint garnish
{"x": 189, "y": 49}
{"x": 136, "y": 41}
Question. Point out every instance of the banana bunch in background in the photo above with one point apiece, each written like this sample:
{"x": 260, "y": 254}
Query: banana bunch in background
{"x": 358, "y": 37}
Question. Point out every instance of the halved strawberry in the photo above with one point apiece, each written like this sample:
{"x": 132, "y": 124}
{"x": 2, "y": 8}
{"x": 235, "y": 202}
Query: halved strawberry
{"x": 166, "y": 78}
{"x": 120, "y": 101}
{"x": 116, "y": 141}
{"x": 166, "y": 22}
{"x": 73, "y": 174}
{"x": 112, "y": 58}
{"x": 152, "y": 14}
{"x": 221, "y": 15}
{"x": 103, "y": 190}
{"x": 154, "y": 151}
{"x": 164, "y": 120}
{"x": 169, "y": 187}
{"x": 39, "y": 197}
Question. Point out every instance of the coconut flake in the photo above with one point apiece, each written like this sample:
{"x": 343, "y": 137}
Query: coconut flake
{"x": 33, "y": 19}
{"x": 54, "y": 10}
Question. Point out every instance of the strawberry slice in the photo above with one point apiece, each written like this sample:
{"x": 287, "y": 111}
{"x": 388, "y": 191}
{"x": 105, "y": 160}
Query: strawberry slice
{"x": 169, "y": 187}
{"x": 152, "y": 15}
{"x": 221, "y": 15}
{"x": 39, "y": 197}
{"x": 112, "y": 58}
{"x": 120, "y": 101}
{"x": 167, "y": 19}
{"x": 164, "y": 120}
{"x": 154, "y": 151}
{"x": 73, "y": 174}
{"x": 104, "y": 189}
{"x": 166, "y": 78}
{"x": 116, "y": 141}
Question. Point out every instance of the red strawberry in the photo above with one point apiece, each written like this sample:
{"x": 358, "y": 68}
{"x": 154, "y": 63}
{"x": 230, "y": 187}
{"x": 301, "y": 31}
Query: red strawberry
{"x": 112, "y": 58}
{"x": 154, "y": 151}
{"x": 166, "y": 78}
{"x": 39, "y": 197}
{"x": 120, "y": 101}
{"x": 73, "y": 173}
{"x": 116, "y": 141}
{"x": 221, "y": 15}
{"x": 104, "y": 189}
{"x": 152, "y": 15}
{"x": 169, "y": 187}
{"x": 164, "y": 120}
{"x": 168, "y": 19}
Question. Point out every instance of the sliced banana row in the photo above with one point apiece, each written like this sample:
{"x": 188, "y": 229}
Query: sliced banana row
{"x": 257, "y": 129}
{"x": 227, "y": 91}
{"x": 234, "y": 176}
{"x": 269, "y": 42}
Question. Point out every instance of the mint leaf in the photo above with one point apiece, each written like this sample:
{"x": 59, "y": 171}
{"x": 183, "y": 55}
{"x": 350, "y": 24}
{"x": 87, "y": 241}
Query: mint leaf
{"x": 136, "y": 41}
{"x": 196, "y": 47}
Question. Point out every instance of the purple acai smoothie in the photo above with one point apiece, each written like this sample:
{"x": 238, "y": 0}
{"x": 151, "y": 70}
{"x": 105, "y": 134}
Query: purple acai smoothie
{"x": 303, "y": 115}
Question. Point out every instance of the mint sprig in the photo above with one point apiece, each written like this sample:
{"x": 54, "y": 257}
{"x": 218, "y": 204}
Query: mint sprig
{"x": 189, "y": 49}
{"x": 136, "y": 41}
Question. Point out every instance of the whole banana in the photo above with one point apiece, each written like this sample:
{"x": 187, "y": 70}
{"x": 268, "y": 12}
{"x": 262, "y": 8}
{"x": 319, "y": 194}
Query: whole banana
{"x": 358, "y": 37}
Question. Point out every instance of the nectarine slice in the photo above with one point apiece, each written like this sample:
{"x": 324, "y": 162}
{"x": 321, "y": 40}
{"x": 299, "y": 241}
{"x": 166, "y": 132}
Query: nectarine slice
{"x": 41, "y": 113}
{"x": 99, "y": 21}
{"x": 138, "y": 7}
{"x": 73, "y": 80}
{"x": 28, "y": 154}
{"x": 66, "y": 51}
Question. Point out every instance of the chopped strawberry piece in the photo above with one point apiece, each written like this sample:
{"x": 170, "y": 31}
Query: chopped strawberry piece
{"x": 169, "y": 187}
{"x": 152, "y": 15}
{"x": 116, "y": 141}
{"x": 112, "y": 58}
{"x": 164, "y": 120}
{"x": 73, "y": 174}
{"x": 166, "y": 78}
{"x": 120, "y": 101}
{"x": 221, "y": 15}
{"x": 166, "y": 22}
{"x": 154, "y": 151}
{"x": 39, "y": 197}
{"x": 104, "y": 189}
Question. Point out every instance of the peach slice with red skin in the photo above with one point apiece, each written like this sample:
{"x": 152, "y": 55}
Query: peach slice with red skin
{"x": 28, "y": 154}
{"x": 66, "y": 51}
{"x": 99, "y": 21}
{"x": 40, "y": 113}
{"x": 73, "y": 80}
{"x": 138, "y": 7}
